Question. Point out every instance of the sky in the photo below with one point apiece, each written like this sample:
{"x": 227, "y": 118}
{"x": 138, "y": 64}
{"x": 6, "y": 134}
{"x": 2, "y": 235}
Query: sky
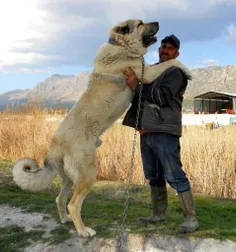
{"x": 40, "y": 38}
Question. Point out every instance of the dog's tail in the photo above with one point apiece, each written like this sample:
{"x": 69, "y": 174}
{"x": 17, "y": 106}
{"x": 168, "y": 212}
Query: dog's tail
{"x": 29, "y": 176}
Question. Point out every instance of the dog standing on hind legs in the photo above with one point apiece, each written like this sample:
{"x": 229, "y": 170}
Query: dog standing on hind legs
{"x": 72, "y": 151}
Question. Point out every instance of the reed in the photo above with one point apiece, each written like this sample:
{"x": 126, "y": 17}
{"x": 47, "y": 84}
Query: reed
{"x": 208, "y": 156}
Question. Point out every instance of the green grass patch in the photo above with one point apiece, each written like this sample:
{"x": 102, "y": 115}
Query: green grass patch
{"x": 5, "y": 171}
{"x": 14, "y": 238}
{"x": 103, "y": 210}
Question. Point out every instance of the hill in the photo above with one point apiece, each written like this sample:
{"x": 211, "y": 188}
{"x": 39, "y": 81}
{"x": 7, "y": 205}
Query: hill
{"x": 65, "y": 90}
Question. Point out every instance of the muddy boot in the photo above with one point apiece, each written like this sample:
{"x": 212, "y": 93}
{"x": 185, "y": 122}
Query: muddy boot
{"x": 190, "y": 220}
{"x": 159, "y": 205}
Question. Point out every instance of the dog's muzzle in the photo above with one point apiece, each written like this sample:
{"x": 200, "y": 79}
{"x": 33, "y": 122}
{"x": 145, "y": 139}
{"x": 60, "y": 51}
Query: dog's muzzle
{"x": 149, "y": 33}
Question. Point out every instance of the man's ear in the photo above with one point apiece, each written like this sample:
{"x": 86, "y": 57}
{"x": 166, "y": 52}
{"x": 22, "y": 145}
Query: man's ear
{"x": 122, "y": 29}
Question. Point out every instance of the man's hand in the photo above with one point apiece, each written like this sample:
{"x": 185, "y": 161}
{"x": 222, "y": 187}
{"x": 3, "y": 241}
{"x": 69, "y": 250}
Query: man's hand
{"x": 130, "y": 78}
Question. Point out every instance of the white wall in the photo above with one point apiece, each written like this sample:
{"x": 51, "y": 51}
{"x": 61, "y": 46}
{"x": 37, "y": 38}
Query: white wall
{"x": 199, "y": 119}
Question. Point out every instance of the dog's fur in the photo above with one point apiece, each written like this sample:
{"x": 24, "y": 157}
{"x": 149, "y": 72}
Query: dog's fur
{"x": 72, "y": 152}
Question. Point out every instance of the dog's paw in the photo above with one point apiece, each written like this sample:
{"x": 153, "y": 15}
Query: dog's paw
{"x": 91, "y": 231}
{"x": 66, "y": 219}
{"x": 88, "y": 232}
{"x": 178, "y": 64}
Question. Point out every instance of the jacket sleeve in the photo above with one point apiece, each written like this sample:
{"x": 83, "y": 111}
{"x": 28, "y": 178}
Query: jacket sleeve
{"x": 163, "y": 93}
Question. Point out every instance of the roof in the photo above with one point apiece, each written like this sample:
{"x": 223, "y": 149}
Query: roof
{"x": 216, "y": 95}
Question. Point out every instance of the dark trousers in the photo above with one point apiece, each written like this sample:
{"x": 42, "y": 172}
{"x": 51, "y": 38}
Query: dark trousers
{"x": 162, "y": 162}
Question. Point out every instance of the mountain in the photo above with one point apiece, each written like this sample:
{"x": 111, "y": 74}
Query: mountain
{"x": 18, "y": 96}
{"x": 57, "y": 90}
{"x": 213, "y": 78}
{"x": 65, "y": 90}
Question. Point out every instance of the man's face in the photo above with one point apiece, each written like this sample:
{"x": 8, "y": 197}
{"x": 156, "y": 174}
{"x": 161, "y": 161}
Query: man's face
{"x": 167, "y": 51}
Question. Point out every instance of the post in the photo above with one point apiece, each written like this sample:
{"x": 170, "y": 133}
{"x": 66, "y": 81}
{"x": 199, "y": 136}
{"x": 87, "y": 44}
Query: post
{"x": 234, "y": 105}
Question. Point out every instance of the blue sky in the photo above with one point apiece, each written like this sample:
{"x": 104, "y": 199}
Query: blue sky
{"x": 44, "y": 37}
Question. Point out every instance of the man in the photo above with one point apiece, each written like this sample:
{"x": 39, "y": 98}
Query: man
{"x": 160, "y": 128}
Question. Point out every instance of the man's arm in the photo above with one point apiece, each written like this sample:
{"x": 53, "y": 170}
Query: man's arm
{"x": 165, "y": 92}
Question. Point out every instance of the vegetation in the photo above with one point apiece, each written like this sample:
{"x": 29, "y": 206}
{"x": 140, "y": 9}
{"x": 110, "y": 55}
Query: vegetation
{"x": 208, "y": 156}
{"x": 216, "y": 216}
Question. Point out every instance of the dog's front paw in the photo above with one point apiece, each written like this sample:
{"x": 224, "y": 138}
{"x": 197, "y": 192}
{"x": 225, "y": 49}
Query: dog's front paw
{"x": 178, "y": 64}
{"x": 173, "y": 62}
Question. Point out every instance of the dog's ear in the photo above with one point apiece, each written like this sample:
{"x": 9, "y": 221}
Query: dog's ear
{"x": 122, "y": 29}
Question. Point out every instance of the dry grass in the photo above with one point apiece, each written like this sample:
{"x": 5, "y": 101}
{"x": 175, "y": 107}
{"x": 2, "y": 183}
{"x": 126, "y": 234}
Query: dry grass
{"x": 208, "y": 156}
{"x": 26, "y": 132}
{"x": 115, "y": 153}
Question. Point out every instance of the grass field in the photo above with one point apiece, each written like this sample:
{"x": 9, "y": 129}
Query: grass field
{"x": 216, "y": 216}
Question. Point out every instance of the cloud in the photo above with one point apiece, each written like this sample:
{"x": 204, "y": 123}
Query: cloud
{"x": 210, "y": 62}
{"x": 42, "y": 34}
{"x": 153, "y": 57}
{"x": 217, "y": 2}
{"x": 231, "y": 33}
{"x": 18, "y": 69}
{"x": 207, "y": 63}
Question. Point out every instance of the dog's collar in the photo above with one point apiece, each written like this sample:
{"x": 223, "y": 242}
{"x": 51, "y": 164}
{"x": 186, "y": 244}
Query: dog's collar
{"x": 113, "y": 42}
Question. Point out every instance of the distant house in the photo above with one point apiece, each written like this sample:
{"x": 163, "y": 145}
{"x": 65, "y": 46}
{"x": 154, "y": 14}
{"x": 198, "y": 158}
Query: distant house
{"x": 215, "y": 102}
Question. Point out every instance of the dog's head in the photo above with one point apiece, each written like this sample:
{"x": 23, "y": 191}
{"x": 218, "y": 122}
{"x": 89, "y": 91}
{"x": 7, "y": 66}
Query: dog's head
{"x": 135, "y": 35}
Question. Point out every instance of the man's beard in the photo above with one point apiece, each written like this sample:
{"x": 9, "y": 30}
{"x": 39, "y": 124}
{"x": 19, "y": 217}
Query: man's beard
{"x": 166, "y": 57}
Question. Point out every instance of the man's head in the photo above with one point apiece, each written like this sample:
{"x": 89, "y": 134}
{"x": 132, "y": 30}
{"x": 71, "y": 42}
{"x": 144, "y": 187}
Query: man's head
{"x": 169, "y": 48}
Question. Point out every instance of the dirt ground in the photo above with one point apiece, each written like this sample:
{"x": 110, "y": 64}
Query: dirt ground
{"x": 133, "y": 243}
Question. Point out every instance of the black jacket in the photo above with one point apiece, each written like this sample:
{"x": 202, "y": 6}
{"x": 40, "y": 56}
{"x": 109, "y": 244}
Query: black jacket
{"x": 161, "y": 104}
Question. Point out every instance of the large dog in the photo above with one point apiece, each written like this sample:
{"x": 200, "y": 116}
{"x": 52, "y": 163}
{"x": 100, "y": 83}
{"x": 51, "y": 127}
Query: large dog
{"x": 72, "y": 152}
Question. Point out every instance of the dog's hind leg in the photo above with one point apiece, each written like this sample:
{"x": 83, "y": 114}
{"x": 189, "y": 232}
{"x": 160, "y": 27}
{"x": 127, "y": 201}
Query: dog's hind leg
{"x": 74, "y": 208}
{"x": 87, "y": 177}
{"x": 61, "y": 199}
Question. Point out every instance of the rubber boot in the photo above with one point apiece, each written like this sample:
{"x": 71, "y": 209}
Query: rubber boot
{"x": 159, "y": 205}
{"x": 190, "y": 220}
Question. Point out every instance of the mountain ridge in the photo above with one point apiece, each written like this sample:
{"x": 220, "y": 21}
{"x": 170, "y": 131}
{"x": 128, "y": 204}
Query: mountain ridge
{"x": 67, "y": 89}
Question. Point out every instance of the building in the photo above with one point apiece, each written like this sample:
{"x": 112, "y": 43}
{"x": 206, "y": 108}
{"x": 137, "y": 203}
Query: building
{"x": 213, "y": 102}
